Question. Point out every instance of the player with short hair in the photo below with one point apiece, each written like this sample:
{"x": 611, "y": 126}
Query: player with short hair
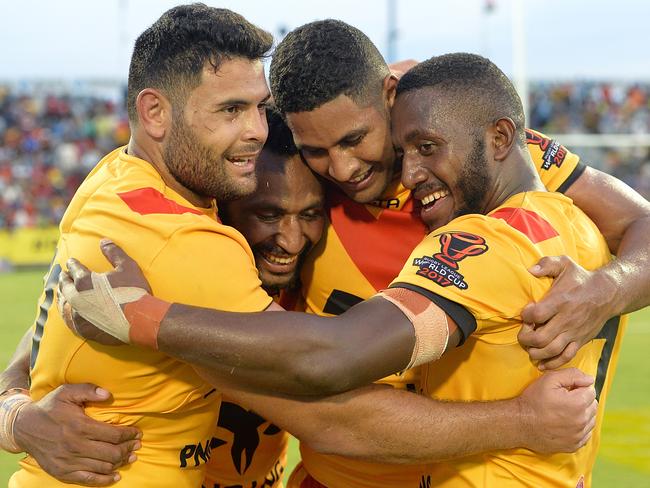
{"x": 499, "y": 217}
{"x": 341, "y": 124}
{"x": 281, "y": 222}
{"x": 197, "y": 95}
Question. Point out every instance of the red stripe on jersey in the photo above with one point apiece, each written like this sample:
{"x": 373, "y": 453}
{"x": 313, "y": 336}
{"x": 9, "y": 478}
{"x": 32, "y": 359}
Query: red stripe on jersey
{"x": 379, "y": 247}
{"x": 147, "y": 201}
{"x": 527, "y": 222}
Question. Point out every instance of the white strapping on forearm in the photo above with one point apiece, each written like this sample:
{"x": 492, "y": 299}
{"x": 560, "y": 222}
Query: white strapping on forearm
{"x": 10, "y": 406}
{"x": 429, "y": 323}
{"x": 101, "y": 304}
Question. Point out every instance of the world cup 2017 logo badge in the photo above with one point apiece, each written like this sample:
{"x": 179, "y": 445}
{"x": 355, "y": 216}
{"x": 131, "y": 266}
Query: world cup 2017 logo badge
{"x": 456, "y": 246}
{"x": 442, "y": 267}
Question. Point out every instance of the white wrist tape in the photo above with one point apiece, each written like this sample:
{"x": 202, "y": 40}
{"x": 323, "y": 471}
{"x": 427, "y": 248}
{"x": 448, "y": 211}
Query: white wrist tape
{"x": 101, "y": 304}
{"x": 429, "y": 323}
{"x": 10, "y": 406}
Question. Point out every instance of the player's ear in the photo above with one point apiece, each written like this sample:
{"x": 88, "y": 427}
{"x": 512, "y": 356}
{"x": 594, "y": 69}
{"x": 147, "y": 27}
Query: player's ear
{"x": 390, "y": 89}
{"x": 154, "y": 112}
{"x": 503, "y": 135}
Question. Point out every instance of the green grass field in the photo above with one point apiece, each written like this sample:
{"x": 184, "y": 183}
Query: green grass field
{"x": 624, "y": 459}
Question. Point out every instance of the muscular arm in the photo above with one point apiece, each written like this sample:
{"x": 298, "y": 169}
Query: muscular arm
{"x": 290, "y": 352}
{"x": 623, "y": 217}
{"x": 55, "y": 431}
{"x": 16, "y": 375}
{"x": 380, "y": 424}
{"x": 581, "y": 301}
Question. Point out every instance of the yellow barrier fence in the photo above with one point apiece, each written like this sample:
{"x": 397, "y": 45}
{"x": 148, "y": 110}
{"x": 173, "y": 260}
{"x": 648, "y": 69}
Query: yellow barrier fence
{"x": 28, "y": 247}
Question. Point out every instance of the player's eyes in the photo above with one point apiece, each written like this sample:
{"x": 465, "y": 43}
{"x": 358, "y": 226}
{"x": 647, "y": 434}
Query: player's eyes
{"x": 426, "y": 148}
{"x": 355, "y": 141}
{"x": 312, "y": 215}
{"x": 268, "y": 217}
{"x": 232, "y": 109}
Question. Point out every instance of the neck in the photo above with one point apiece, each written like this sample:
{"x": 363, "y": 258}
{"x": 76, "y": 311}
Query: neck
{"x": 517, "y": 175}
{"x": 152, "y": 154}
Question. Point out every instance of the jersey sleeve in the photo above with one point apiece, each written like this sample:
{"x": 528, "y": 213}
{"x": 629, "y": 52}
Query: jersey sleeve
{"x": 476, "y": 271}
{"x": 208, "y": 269}
{"x": 556, "y": 165}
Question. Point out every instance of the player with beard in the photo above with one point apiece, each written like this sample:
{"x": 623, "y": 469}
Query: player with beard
{"x": 283, "y": 219}
{"x": 196, "y": 100}
{"x": 281, "y": 222}
{"x": 428, "y": 310}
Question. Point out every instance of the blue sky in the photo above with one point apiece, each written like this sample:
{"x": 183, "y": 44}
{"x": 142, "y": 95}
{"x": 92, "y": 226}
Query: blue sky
{"x": 75, "y": 39}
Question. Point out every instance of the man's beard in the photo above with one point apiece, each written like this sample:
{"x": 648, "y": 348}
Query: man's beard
{"x": 474, "y": 181}
{"x": 199, "y": 168}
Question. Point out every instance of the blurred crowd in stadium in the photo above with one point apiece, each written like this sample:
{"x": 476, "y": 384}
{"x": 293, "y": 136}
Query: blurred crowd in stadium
{"x": 49, "y": 142}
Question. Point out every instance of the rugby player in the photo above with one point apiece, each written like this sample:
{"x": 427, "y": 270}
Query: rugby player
{"x": 196, "y": 100}
{"x": 282, "y": 220}
{"x": 501, "y": 219}
{"x": 338, "y": 106}
{"x": 341, "y": 300}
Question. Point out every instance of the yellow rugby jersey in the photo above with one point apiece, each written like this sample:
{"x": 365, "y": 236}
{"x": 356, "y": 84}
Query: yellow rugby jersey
{"x": 254, "y": 453}
{"x": 476, "y": 269}
{"x": 362, "y": 250}
{"x": 188, "y": 257}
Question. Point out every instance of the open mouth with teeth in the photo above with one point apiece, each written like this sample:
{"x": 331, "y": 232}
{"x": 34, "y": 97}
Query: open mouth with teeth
{"x": 360, "y": 182}
{"x": 435, "y": 212}
{"x": 432, "y": 198}
{"x": 279, "y": 264}
{"x": 242, "y": 162}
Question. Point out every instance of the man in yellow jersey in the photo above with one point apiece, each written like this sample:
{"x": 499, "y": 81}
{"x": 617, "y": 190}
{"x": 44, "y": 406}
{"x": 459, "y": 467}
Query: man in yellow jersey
{"x": 281, "y": 221}
{"x": 196, "y": 101}
{"x": 342, "y": 300}
{"x": 341, "y": 124}
{"x": 470, "y": 167}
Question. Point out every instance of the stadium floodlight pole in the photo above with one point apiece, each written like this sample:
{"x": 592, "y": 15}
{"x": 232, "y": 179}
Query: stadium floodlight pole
{"x": 391, "y": 22}
{"x": 519, "y": 53}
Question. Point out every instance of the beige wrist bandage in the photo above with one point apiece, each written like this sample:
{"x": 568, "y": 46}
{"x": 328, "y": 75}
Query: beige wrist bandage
{"x": 429, "y": 323}
{"x": 11, "y": 402}
{"x": 101, "y": 305}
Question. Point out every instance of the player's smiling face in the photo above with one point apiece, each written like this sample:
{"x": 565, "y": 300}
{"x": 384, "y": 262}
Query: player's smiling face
{"x": 215, "y": 139}
{"x": 443, "y": 160}
{"x": 281, "y": 221}
{"x": 347, "y": 144}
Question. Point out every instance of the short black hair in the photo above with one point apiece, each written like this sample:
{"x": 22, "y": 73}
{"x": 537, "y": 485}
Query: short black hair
{"x": 481, "y": 87}
{"x": 172, "y": 53}
{"x": 280, "y": 139}
{"x": 321, "y": 60}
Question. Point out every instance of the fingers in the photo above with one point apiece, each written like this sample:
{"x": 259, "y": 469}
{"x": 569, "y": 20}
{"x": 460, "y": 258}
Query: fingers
{"x": 91, "y": 479}
{"x": 550, "y": 266}
{"x": 571, "y": 378}
{"x": 554, "y": 348}
{"x": 81, "y": 393}
{"x": 567, "y": 355}
{"x": 78, "y": 272}
{"x": 113, "y": 434}
{"x": 541, "y": 312}
{"x": 110, "y": 455}
{"x": 115, "y": 255}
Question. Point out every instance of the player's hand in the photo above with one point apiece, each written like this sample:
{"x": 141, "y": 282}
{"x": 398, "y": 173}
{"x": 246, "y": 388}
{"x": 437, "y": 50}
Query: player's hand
{"x": 561, "y": 409}
{"x": 571, "y": 314}
{"x": 99, "y": 310}
{"x": 71, "y": 446}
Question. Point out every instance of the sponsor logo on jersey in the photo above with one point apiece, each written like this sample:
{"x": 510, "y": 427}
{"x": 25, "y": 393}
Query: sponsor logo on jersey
{"x": 581, "y": 482}
{"x": 553, "y": 152}
{"x": 442, "y": 267}
{"x": 194, "y": 454}
{"x": 245, "y": 426}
